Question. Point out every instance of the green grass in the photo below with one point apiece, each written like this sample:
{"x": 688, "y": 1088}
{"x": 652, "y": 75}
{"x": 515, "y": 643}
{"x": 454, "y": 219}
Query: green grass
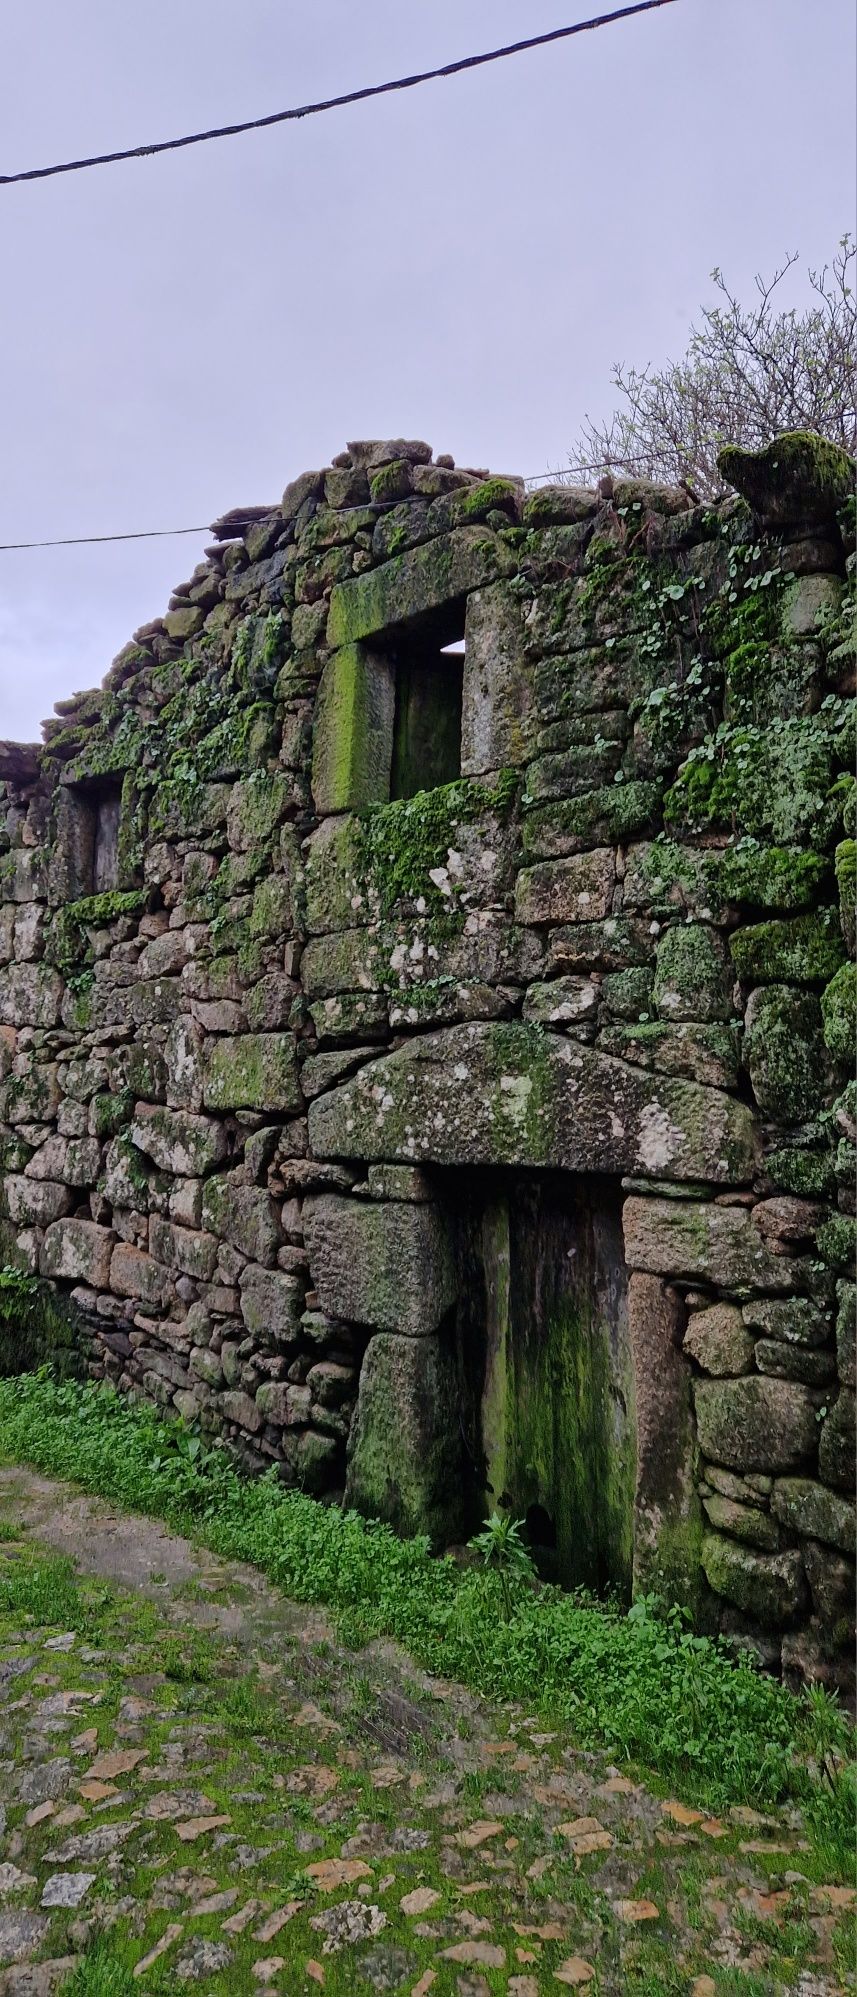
{"x": 242, "y": 1744}
{"x": 100, "y": 1974}
{"x": 640, "y": 1684}
{"x": 44, "y": 1591}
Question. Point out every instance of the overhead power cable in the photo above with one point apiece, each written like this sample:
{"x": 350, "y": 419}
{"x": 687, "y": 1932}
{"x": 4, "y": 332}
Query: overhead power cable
{"x": 89, "y": 540}
{"x": 164, "y": 533}
{"x": 337, "y": 103}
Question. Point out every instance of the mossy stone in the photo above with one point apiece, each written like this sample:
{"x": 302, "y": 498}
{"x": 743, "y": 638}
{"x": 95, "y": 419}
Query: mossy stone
{"x": 391, "y": 481}
{"x": 245, "y": 1216}
{"x": 177, "y": 1141}
{"x": 784, "y": 1053}
{"x": 846, "y": 881}
{"x": 772, "y": 783}
{"x": 184, "y": 623}
{"x": 808, "y": 949}
{"x": 251, "y": 1071}
{"x": 664, "y": 876}
{"x": 692, "y": 975}
{"x": 719, "y": 1341}
{"x": 389, "y": 1265}
{"x": 793, "y": 1362}
{"x": 559, "y": 505}
{"x": 794, "y": 1320}
{"x": 273, "y": 912}
{"x": 335, "y": 887}
{"x": 472, "y": 503}
{"x": 187, "y": 810}
{"x": 839, "y": 1013}
{"x": 769, "y": 1587}
{"x": 611, "y": 814}
{"x": 510, "y": 1094}
{"x": 835, "y": 1242}
{"x": 743, "y": 1522}
{"x": 799, "y": 478}
{"x": 836, "y": 1449}
{"x": 30, "y": 995}
{"x": 628, "y": 994}
{"x": 353, "y": 731}
{"x": 701, "y": 1053}
{"x": 846, "y": 1293}
{"x": 756, "y": 1423}
{"x": 809, "y": 1508}
{"x": 810, "y": 1174}
{"x": 404, "y": 1458}
{"x": 425, "y": 578}
{"x": 256, "y": 807}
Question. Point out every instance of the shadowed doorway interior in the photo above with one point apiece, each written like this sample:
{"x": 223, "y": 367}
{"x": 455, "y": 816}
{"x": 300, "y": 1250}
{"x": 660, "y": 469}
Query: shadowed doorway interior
{"x": 548, "y": 1383}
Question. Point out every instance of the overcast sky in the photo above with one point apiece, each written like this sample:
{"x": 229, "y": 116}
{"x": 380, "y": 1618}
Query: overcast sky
{"x": 462, "y": 263}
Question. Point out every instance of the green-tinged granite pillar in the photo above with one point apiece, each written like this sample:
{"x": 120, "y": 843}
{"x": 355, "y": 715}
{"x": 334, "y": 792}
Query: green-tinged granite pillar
{"x": 668, "y": 1515}
{"x": 404, "y": 1454}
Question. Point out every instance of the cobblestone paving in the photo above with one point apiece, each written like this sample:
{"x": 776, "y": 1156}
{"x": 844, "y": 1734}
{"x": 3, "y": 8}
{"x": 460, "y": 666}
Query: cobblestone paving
{"x": 200, "y": 1786}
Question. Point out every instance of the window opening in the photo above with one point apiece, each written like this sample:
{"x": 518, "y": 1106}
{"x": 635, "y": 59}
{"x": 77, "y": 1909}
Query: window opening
{"x": 428, "y": 661}
{"x": 105, "y": 854}
{"x": 90, "y": 834}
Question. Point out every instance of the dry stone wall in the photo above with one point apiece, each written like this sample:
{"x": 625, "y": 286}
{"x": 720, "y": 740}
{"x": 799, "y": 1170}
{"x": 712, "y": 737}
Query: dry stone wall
{"x": 296, "y": 910}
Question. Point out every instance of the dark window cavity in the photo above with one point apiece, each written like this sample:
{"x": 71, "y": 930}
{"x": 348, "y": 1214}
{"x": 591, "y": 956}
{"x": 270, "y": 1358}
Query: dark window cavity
{"x": 428, "y": 659}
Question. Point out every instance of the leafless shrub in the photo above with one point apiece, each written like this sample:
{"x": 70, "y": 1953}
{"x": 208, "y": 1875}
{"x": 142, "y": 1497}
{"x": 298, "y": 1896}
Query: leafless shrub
{"x": 749, "y": 372}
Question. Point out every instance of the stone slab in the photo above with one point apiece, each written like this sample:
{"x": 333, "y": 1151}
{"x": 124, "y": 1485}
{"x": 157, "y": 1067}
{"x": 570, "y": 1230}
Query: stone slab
{"x": 423, "y": 579}
{"x": 389, "y": 1266}
{"x": 719, "y": 1244}
{"x": 506, "y": 1094}
{"x": 251, "y": 1071}
{"x": 758, "y": 1423}
{"x": 353, "y": 731}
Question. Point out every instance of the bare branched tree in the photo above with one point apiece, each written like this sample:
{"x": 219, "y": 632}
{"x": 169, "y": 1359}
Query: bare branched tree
{"x": 749, "y": 372}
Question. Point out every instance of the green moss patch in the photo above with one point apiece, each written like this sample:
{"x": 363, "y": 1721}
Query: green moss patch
{"x": 775, "y": 782}
{"x": 404, "y": 841}
{"x": 808, "y": 949}
{"x": 839, "y": 1012}
{"x": 70, "y": 943}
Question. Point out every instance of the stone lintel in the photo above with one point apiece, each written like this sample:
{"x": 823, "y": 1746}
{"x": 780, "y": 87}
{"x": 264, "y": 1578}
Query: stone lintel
{"x": 507, "y": 1094}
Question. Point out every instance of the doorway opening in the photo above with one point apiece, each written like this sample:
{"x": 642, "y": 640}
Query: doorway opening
{"x": 545, "y": 1362}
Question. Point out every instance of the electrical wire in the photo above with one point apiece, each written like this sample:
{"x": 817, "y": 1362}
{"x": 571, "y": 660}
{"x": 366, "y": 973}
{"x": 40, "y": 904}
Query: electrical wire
{"x": 336, "y": 103}
{"x": 90, "y": 540}
{"x": 163, "y": 533}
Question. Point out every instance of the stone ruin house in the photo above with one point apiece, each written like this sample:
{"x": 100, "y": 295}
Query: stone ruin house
{"x": 425, "y": 1020}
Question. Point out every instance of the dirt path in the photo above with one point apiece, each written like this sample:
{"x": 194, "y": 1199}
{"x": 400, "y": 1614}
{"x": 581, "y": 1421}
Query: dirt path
{"x": 201, "y": 1784}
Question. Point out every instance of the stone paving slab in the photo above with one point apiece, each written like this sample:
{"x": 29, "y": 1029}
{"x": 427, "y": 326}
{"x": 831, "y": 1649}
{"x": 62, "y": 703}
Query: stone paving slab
{"x": 201, "y": 1786}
